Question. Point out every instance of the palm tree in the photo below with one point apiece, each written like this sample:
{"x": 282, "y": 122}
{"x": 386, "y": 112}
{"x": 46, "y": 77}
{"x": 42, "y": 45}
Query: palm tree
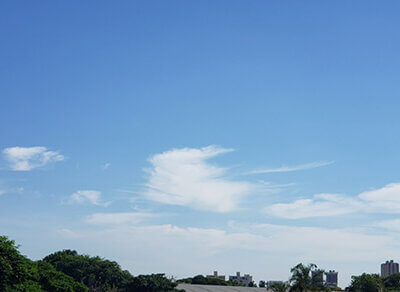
{"x": 301, "y": 279}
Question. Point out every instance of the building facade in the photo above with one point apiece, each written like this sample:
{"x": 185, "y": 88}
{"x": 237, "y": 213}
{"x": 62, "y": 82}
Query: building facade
{"x": 243, "y": 280}
{"x": 317, "y": 277}
{"x": 215, "y": 275}
{"x": 389, "y": 268}
{"x": 331, "y": 278}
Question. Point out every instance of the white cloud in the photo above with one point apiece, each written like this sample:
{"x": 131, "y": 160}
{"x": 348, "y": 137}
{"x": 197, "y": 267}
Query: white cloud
{"x": 383, "y": 200}
{"x": 118, "y": 218}
{"x": 319, "y": 205}
{"x": 386, "y": 199}
{"x": 27, "y": 158}
{"x": 184, "y": 177}
{"x": 292, "y": 168}
{"x": 90, "y": 196}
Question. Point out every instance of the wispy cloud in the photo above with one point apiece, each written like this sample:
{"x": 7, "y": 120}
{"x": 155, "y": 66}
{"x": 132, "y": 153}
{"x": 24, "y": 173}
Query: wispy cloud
{"x": 386, "y": 199}
{"x": 392, "y": 225}
{"x": 14, "y": 190}
{"x": 28, "y": 158}
{"x": 119, "y": 218}
{"x": 184, "y": 177}
{"x": 87, "y": 196}
{"x": 318, "y": 206}
{"x": 292, "y": 168}
{"x": 383, "y": 200}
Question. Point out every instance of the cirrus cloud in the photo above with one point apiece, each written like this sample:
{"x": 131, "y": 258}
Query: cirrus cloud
{"x": 118, "y": 218}
{"x": 292, "y": 168}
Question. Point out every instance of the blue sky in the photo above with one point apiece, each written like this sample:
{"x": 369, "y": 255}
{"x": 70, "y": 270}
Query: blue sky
{"x": 236, "y": 135}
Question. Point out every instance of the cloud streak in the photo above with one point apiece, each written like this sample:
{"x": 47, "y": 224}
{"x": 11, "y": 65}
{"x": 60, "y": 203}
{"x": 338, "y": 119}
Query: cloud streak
{"x": 28, "y": 158}
{"x": 119, "y": 218}
{"x": 87, "y": 196}
{"x": 292, "y": 168}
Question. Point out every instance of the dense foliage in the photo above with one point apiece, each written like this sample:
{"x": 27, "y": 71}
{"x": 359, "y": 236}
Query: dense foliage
{"x": 96, "y": 273}
{"x": 374, "y": 283}
{"x": 103, "y": 275}
{"x": 366, "y": 283}
{"x": 152, "y": 283}
{"x": 18, "y": 273}
{"x": 201, "y": 280}
{"x": 67, "y": 271}
{"x": 392, "y": 283}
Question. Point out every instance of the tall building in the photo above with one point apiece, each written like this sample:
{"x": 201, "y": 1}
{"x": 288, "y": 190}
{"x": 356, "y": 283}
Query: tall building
{"x": 331, "y": 279}
{"x": 244, "y": 280}
{"x": 389, "y": 268}
{"x": 317, "y": 277}
{"x": 215, "y": 275}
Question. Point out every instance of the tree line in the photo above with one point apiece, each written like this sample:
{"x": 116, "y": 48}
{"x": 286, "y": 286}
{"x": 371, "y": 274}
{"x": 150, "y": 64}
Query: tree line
{"x": 201, "y": 280}
{"x": 68, "y": 271}
{"x": 302, "y": 280}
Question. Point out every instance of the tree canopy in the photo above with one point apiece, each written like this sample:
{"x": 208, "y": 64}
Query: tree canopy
{"x": 201, "y": 280}
{"x": 366, "y": 283}
{"x": 67, "y": 271}
{"x": 392, "y": 282}
{"x": 95, "y": 272}
{"x": 18, "y": 273}
{"x": 152, "y": 283}
{"x": 302, "y": 278}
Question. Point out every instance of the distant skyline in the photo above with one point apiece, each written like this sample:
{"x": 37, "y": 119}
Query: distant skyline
{"x": 191, "y": 136}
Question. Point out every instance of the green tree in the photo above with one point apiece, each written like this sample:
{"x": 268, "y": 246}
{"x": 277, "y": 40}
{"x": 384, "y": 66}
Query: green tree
{"x": 18, "y": 273}
{"x": 53, "y": 280}
{"x": 95, "y": 272}
{"x": 392, "y": 282}
{"x": 201, "y": 280}
{"x": 301, "y": 279}
{"x": 152, "y": 283}
{"x": 366, "y": 283}
{"x": 14, "y": 268}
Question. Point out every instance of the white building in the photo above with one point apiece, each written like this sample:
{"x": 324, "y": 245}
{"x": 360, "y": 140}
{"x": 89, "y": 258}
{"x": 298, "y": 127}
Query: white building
{"x": 244, "y": 280}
